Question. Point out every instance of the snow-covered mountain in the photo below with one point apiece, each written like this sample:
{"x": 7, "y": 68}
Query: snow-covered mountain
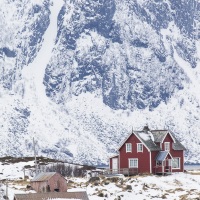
{"x": 78, "y": 75}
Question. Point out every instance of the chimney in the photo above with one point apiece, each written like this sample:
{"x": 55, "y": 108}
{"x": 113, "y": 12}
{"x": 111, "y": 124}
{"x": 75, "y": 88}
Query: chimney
{"x": 146, "y": 128}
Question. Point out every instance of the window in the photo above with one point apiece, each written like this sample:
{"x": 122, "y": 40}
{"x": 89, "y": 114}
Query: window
{"x": 158, "y": 163}
{"x": 176, "y": 163}
{"x": 133, "y": 162}
{"x": 167, "y": 146}
{"x": 170, "y": 162}
{"x": 139, "y": 147}
{"x": 128, "y": 147}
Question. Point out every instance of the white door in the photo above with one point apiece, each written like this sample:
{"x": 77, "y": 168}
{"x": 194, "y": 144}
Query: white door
{"x": 115, "y": 164}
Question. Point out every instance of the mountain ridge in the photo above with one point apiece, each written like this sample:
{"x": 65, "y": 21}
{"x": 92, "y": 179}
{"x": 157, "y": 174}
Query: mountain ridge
{"x": 78, "y": 75}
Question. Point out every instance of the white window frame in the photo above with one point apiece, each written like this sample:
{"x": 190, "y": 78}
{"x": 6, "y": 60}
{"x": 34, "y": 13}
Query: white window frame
{"x": 179, "y": 163}
{"x": 167, "y": 146}
{"x": 133, "y": 161}
{"x": 139, "y": 147}
{"x": 128, "y": 147}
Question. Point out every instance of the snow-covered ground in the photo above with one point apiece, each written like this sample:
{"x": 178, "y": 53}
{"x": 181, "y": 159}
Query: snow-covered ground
{"x": 173, "y": 187}
{"x": 176, "y": 186}
{"x": 13, "y": 174}
{"x": 84, "y": 127}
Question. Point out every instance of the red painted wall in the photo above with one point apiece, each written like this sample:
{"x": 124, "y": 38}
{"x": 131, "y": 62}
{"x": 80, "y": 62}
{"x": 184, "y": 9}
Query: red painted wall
{"x": 143, "y": 157}
{"x": 153, "y": 160}
{"x": 175, "y": 153}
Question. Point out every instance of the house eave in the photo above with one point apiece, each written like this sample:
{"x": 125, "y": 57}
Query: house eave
{"x": 116, "y": 155}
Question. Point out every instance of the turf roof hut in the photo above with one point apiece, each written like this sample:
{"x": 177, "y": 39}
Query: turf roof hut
{"x": 49, "y": 182}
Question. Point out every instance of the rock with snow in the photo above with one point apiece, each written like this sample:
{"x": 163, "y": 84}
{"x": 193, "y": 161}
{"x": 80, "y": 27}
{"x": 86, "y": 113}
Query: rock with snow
{"x": 78, "y": 75}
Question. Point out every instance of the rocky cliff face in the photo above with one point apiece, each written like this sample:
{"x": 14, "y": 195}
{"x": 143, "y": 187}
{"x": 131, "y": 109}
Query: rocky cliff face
{"x": 78, "y": 75}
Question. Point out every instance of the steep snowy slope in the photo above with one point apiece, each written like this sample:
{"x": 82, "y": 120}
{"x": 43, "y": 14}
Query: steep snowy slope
{"x": 78, "y": 75}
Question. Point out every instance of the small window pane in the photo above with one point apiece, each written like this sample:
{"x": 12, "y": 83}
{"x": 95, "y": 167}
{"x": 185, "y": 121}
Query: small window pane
{"x": 128, "y": 147}
{"x": 133, "y": 163}
{"x": 176, "y": 163}
{"x": 158, "y": 163}
{"x": 139, "y": 148}
{"x": 167, "y": 146}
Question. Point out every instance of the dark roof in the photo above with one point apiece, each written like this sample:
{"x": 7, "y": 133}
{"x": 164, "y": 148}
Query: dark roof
{"x": 147, "y": 139}
{"x": 159, "y": 135}
{"x": 44, "y": 176}
{"x": 150, "y": 137}
{"x": 52, "y": 195}
{"x": 178, "y": 145}
{"x": 162, "y": 155}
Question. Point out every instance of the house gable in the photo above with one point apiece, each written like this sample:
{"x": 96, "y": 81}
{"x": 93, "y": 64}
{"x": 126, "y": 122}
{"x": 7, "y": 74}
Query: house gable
{"x": 127, "y": 140}
{"x": 162, "y": 155}
{"x": 168, "y": 134}
{"x": 175, "y": 152}
{"x": 124, "y": 141}
{"x": 168, "y": 139}
{"x": 142, "y": 157}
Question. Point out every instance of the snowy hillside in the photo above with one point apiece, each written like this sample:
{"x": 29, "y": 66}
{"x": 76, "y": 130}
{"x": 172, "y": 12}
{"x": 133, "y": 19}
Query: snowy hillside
{"x": 78, "y": 75}
{"x": 173, "y": 187}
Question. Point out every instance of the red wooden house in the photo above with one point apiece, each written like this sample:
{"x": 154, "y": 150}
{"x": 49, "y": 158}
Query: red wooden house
{"x": 149, "y": 151}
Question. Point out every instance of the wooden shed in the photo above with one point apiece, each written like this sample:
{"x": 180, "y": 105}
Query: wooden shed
{"x": 52, "y": 195}
{"x": 49, "y": 182}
